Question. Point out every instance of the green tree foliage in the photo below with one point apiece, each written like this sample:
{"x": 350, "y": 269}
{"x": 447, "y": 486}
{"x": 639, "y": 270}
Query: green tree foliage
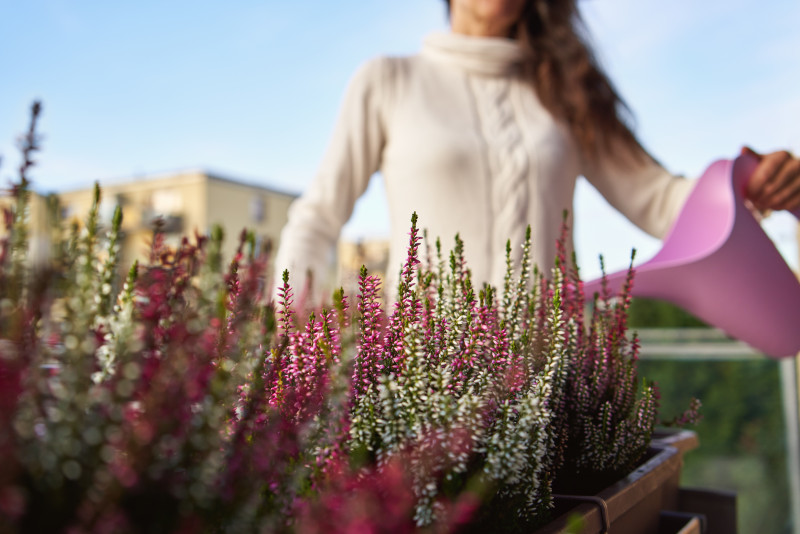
{"x": 651, "y": 313}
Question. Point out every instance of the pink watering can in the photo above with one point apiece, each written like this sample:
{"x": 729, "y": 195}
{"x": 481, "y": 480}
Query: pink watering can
{"x": 717, "y": 263}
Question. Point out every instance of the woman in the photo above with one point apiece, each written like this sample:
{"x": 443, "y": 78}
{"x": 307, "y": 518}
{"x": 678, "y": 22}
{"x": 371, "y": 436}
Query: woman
{"x": 486, "y": 131}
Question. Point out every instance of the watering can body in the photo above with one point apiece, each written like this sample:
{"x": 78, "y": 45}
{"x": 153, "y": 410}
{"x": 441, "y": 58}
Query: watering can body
{"x": 717, "y": 263}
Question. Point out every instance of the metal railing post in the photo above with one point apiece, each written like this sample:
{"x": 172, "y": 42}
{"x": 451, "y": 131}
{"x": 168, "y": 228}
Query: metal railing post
{"x": 790, "y": 379}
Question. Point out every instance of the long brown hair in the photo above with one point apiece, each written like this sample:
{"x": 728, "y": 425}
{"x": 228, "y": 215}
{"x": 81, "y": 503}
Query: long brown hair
{"x": 568, "y": 78}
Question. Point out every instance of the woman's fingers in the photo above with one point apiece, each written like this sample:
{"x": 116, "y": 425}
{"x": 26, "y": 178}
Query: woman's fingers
{"x": 785, "y": 197}
{"x": 792, "y": 202}
{"x": 775, "y": 184}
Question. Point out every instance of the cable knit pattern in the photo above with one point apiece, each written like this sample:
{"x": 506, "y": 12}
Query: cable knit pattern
{"x": 508, "y": 164}
{"x": 460, "y": 138}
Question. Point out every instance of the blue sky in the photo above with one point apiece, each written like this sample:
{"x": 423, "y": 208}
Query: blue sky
{"x": 251, "y": 89}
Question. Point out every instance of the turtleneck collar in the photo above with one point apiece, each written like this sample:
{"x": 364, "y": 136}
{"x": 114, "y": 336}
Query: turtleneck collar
{"x": 488, "y": 56}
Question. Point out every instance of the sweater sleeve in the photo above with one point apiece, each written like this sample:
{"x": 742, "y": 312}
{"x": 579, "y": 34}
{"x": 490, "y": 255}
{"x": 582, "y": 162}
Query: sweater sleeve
{"x": 315, "y": 219}
{"x": 639, "y": 188}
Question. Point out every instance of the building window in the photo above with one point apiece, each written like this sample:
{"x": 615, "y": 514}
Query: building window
{"x": 258, "y": 209}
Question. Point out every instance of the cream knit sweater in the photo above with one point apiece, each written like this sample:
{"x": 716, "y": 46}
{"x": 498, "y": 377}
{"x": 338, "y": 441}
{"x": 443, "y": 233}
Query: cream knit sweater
{"x": 460, "y": 138}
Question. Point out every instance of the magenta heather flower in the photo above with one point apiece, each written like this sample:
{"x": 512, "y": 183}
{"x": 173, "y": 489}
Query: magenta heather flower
{"x": 370, "y": 342}
{"x": 375, "y": 500}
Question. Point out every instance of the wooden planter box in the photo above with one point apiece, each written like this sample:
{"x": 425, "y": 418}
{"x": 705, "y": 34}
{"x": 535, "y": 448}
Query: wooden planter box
{"x": 632, "y": 505}
{"x": 716, "y": 508}
{"x": 649, "y": 500}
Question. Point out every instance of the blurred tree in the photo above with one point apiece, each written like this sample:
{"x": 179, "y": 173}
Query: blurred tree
{"x": 652, "y": 313}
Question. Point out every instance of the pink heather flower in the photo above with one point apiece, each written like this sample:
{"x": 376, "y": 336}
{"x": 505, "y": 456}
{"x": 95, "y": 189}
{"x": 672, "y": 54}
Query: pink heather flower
{"x": 285, "y": 301}
{"x": 368, "y": 363}
{"x": 370, "y": 501}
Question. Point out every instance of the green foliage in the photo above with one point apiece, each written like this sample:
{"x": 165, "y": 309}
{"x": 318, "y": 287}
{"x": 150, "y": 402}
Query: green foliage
{"x": 652, "y": 313}
{"x": 742, "y": 433}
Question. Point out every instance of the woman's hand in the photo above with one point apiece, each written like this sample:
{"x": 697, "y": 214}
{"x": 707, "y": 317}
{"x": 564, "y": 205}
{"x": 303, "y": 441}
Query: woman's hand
{"x": 775, "y": 184}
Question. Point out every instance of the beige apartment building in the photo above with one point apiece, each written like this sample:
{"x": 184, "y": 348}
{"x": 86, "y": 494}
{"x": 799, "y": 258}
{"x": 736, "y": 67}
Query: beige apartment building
{"x": 185, "y": 203}
{"x": 191, "y": 201}
{"x": 371, "y": 253}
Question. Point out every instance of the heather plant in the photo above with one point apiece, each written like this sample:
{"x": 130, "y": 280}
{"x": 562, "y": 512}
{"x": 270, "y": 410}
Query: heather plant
{"x": 606, "y": 414}
{"x": 453, "y": 375}
{"x": 161, "y": 403}
{"x": 181, "y": 398}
